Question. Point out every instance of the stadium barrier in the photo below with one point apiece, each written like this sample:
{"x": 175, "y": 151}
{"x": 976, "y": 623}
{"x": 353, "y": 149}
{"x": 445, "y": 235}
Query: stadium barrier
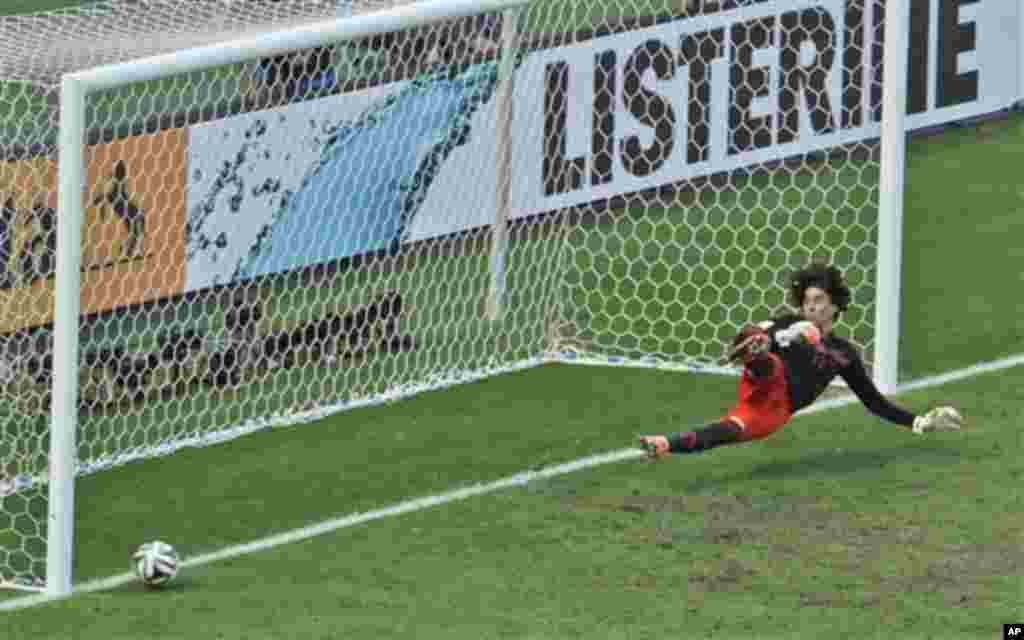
{"x": 179, "y": 123}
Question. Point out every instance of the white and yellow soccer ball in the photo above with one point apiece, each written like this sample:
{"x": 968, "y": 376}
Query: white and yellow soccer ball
{"x": 155, "y": 563}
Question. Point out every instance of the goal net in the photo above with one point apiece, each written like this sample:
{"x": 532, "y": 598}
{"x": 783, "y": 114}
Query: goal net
{"x": 278, "y": 237}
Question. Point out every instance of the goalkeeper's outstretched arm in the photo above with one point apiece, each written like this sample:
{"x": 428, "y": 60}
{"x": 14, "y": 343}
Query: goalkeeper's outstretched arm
{"x": 938, "y": 419}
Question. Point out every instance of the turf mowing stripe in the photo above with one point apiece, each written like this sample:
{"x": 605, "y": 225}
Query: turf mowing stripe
{"x": 517, "y": 480}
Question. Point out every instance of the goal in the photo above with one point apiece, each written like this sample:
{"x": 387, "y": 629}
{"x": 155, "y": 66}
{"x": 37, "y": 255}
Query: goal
{"x": 306, "y": 207}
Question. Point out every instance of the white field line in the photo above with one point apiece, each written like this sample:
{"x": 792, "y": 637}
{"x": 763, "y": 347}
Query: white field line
{"x": 517, "y": 480}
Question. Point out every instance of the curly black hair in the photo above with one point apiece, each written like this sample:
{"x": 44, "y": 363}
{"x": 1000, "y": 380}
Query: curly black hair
{"x": 824, "y": 276}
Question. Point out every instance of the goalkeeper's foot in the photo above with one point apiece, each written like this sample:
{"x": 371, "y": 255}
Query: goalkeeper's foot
{"x": 655, "y": 447}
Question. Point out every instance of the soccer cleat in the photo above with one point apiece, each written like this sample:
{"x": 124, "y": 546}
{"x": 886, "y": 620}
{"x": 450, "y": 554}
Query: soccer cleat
{"x": 655, "y": 446}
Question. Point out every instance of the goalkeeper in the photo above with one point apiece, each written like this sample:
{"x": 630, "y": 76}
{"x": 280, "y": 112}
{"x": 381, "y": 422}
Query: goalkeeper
{"x": 788, "y": 362}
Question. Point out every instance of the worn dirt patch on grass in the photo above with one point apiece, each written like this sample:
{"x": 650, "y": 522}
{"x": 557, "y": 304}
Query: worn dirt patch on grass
{"x": 885, "y": 555}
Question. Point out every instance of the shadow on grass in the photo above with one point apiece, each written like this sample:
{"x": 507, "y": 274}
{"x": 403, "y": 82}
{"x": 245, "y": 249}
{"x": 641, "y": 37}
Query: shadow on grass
{"x": 839, "y": 461}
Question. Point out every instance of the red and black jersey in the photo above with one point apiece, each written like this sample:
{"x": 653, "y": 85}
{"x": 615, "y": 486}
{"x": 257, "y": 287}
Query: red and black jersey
{"x": 810, "y": 368}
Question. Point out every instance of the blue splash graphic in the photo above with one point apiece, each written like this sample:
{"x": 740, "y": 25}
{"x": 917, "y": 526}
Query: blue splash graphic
{"x": 368, "y": 178}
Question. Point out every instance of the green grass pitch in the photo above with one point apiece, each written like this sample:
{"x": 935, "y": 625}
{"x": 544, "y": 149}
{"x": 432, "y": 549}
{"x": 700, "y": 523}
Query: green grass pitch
{"x": 840, "y": 526}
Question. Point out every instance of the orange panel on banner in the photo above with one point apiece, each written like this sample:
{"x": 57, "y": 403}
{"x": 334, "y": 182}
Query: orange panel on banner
{"x": 133, "y": 235}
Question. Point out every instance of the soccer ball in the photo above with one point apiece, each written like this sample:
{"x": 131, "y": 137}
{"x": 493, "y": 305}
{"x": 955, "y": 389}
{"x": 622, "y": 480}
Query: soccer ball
{"x": 155, "y": 563}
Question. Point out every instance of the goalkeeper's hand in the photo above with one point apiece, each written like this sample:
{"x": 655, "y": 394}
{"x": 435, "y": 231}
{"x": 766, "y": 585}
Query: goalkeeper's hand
{"x": 749, "y": 342}
{"x": 938, "y": 419}
{"x": 802, "y": 332}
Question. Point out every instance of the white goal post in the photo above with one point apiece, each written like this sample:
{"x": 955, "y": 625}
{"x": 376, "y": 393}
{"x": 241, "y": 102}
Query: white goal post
{"x": 587, "y": 192}
{"x": 75, "y": 87}
{"x": 890, "y": 206}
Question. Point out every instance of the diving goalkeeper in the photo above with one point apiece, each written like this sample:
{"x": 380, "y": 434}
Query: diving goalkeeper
{"x": 788, "y": 362}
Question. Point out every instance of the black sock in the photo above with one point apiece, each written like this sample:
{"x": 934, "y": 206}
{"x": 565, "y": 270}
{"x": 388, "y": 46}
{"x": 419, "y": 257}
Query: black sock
{"x": 682, "y": 442}
{"x": 706, "y": 438}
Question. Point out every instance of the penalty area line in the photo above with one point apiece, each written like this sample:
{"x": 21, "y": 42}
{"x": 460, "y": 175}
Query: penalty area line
{"x": 419, "y": 504}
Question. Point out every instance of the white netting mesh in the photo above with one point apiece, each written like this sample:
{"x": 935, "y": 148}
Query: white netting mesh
{"x": 271, "y": 242}
{"x": 667, "y": 273}
{"x": 109, "y": 31}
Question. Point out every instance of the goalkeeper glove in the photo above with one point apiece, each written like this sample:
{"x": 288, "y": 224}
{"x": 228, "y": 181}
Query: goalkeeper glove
{"x": 803, "y": 332}
{"x": 749, "y": 343}
{"x": 938, "y": 419}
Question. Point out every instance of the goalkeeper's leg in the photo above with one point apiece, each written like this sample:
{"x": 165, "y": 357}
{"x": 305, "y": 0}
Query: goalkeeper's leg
{"x": 709, "y": 437}
{"x": 761, "y": 410}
